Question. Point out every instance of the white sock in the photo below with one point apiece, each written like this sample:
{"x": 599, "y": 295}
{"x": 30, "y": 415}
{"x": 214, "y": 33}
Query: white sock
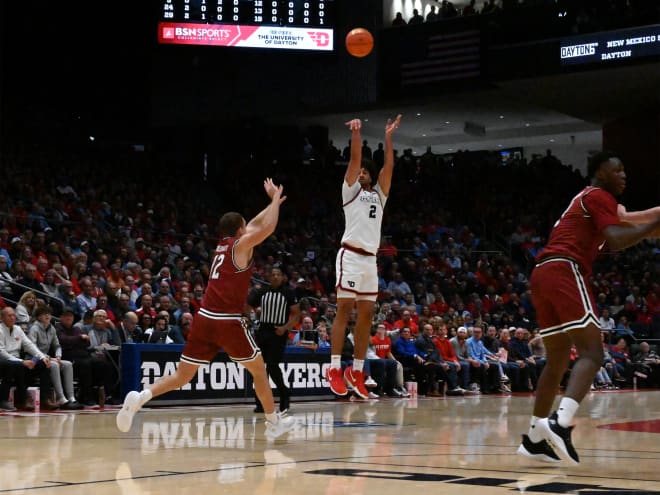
{"x": 145, "y": 396}
{"x": 566, "y": 411}
{"x": 335, "y": 361}
{"x": 358, "y": 364}
{"x": 534, "y": 433}
{"x": 272, "y": 418}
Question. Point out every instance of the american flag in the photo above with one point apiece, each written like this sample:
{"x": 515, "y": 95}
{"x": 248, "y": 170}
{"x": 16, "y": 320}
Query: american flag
{"x": 449, "y": 57}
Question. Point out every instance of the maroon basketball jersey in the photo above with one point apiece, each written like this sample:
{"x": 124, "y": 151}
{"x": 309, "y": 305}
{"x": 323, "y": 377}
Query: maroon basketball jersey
{"x": 228, "y": 285}
{"x": 578, "y": 234}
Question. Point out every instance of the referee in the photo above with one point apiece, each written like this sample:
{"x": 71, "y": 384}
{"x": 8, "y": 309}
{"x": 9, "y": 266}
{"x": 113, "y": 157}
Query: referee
{"x": 279, "y": 312}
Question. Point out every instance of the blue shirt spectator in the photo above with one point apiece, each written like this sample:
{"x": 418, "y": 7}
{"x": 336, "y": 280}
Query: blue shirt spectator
{"x": 476, "y": 348}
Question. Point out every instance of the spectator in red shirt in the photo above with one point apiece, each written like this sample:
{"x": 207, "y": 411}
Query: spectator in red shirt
{"x": 390, "y": 320}
{"x": 42, "y": 268}
{"x": 382, "y": 345}
{"x": 439, "y": 306}
{"x": 407, "y": 321}
{"x": 446, "y": 351}
{"x": 147, "y": 306}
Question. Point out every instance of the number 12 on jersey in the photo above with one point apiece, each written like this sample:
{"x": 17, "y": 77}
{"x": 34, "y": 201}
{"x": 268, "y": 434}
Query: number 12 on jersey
{"x": 215, "y": 267}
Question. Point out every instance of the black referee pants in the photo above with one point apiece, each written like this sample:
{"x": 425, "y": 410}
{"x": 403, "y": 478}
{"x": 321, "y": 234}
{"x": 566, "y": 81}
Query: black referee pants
{"x": 272, "y": 349}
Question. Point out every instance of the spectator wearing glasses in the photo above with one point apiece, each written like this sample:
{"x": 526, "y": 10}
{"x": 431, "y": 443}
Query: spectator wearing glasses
{"x": 159, "y": 334}
{"x": 180, "y": 332}
{"x": 145, "y": 322}
{"x": 128, "y": 329}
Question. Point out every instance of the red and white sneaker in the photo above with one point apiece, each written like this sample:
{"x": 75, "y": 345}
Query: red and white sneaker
{"x": 336, "y": 380}
{"x": 356, "y": 380}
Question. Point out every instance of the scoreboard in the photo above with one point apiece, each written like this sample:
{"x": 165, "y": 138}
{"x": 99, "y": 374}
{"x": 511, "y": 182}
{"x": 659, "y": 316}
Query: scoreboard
{"x": 279, "y": 24}
{"x": 309, "y": 13}
{"x": 608, "y": 46}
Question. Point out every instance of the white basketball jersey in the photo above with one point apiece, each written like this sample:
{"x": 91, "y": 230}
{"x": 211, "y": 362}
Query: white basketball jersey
{"x": 364, "y": 215}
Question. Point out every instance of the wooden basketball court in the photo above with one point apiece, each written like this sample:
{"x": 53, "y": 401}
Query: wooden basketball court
{"x": 387, "y": 447}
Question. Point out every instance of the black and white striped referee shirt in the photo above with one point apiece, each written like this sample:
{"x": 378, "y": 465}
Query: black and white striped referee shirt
{"x": 275, "y": 304}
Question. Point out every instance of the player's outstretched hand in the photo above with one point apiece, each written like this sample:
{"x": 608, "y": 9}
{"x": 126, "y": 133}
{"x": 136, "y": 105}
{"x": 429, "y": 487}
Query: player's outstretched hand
{"x": 270, "y": 187}
{"x": 354, "y": 124}
{"x": 392, "y": 125}
{"x": 273, "y": 190}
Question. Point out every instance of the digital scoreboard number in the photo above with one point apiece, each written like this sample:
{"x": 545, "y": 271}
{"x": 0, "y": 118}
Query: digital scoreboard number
{"x": 317, "y": 13}
{"x": 279, "y": 24}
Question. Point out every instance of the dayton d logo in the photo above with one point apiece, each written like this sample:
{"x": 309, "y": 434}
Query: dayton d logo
{"x": 319, "y": 37}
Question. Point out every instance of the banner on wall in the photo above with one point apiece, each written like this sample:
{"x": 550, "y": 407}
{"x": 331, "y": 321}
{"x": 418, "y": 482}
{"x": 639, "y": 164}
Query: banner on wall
{"x": 222, "y": 380}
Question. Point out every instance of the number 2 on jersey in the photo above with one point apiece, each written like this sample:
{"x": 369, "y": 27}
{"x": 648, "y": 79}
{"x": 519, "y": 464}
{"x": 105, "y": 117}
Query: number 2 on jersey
{"x": 215, "y": 267}
{"x": 372, "y": 211}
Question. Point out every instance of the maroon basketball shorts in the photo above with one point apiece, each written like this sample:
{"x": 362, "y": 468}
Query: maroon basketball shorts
{"x": 561, "y": 296}
{"x": 212, "y": 332}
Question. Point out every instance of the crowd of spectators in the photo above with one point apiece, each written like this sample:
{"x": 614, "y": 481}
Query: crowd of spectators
{"x": 121, "y": 243}
{"x": 551, "y": 17}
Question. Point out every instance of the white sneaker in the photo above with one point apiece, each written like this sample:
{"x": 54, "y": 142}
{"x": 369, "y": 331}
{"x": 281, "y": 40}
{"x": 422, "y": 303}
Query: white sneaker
{"x": 283, "y": 425}
{"x": 132, "y": 404}
{"x": 404, "y": 392}
{"x": 373, "y": 395}
{"x": 370, "y": 382}
{"x": 504, "y": 388}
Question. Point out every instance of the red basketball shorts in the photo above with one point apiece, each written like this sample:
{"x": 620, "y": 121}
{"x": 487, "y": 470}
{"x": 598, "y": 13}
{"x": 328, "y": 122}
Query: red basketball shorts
{"x": 561, "y": 297}
{"x": 212, "y": 332}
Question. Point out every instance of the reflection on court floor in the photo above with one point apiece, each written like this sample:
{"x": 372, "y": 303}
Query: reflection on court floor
{"x": 387, "y": 447}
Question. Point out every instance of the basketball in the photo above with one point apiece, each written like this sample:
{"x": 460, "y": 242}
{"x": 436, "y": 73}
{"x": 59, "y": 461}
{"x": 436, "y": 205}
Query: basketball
{"x": 359, "y": 42}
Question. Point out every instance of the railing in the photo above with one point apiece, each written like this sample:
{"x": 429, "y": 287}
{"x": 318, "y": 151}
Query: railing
{"x": 55, "y": 303}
